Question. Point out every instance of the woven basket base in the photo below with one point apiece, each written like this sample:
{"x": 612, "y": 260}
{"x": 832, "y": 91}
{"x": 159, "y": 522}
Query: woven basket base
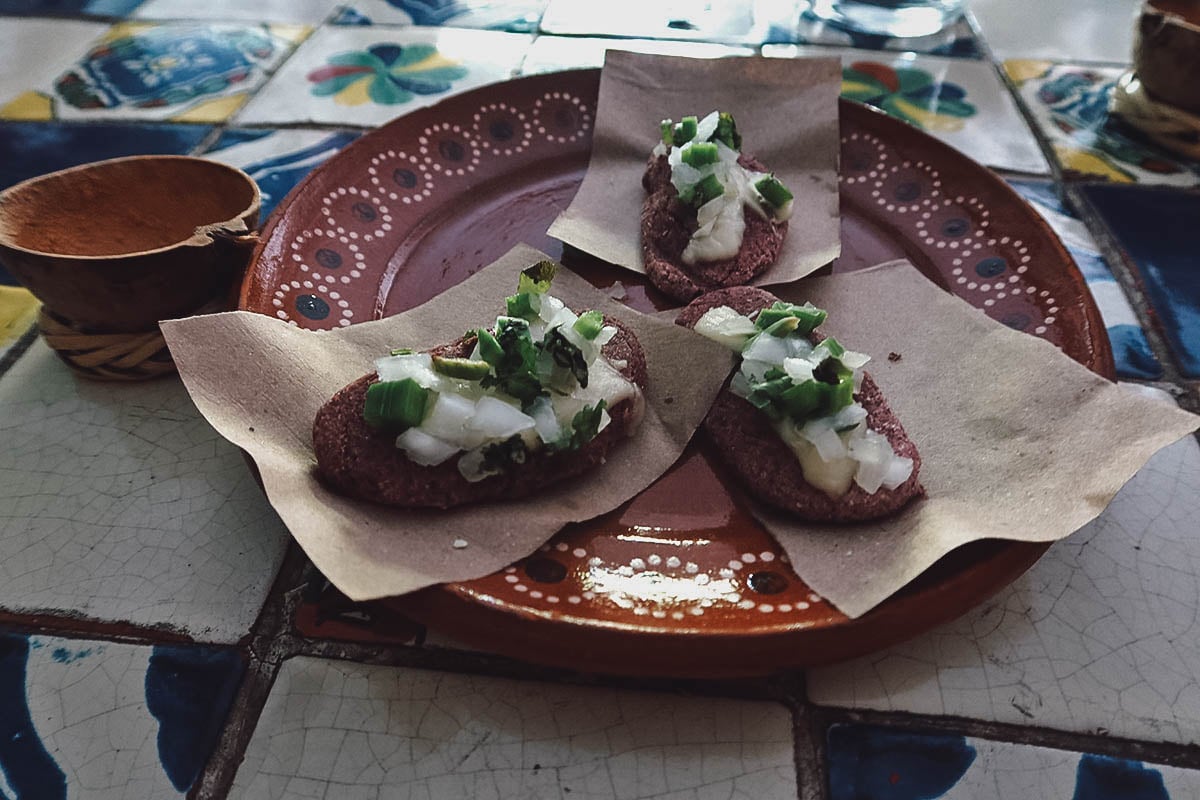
{"x": 107, "y": 356}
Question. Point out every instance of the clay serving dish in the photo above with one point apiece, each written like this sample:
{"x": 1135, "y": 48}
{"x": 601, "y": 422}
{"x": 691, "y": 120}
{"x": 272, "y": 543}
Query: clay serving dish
{"x": 118, "y": 245}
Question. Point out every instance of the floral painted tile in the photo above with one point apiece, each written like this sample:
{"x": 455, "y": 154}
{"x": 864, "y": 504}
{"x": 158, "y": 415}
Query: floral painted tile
{"x": 312, "y": 12}
{"x": 735, "y": 21}
{"x": 868, "y": 761}
{"x": 1100, "y": 636}
{"x": 1157, "y": 231}
{"x": 955, "y": 40}
{"x": 554, "y": 53}
{"x": 120, "y": 503}
{"x": 97, "y": 720}
{"x": 1131, "y": 351}
{"x": 960, "y": 101}
{"x": 1070, "y": 104}
{"x": 32, "y": 53}
{"x": 1064, "y": 30}
{"x": 367, "y": 76}
{"x": 74, "y": 8}
{"x": 18, "y": 312}
{"x": 354, "y": 730}
{"x": 28, "y": 149}
{"x": 519, "y": 16}
{"x": 177, "y": 71}
{"x": 277, "y": 160}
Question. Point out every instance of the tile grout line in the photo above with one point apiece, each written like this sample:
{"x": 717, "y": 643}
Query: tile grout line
{"x": 1186, "y": 756}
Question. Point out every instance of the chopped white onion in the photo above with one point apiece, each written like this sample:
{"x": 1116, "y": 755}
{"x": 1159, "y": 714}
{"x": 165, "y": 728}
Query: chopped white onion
{"x": 418, "y": 366}
{"x": 707, "y": 127}
{"x": 424, "y": 449}
{"x": 496, "y": 419}
{"x": 872, "y": 451}
{"x": 899, "y": 470}
{"x": 854, "y": 360}
{"x": 448, "y": 418}
{"x": 767, "y": 347}
{"x": 850, "y": 415}
{"x": 798, "y": 369}
{"x": 725, "y": 326}
{"x": 823, "y": 437}
{"x": 545, "y": 422}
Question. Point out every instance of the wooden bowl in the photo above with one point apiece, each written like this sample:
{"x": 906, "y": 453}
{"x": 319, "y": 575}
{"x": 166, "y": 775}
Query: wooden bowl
{"x": 1166, "y": 52}
{"x": 118, "y": 245}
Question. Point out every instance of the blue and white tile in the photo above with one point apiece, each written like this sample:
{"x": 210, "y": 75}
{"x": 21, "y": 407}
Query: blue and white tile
{"x": 73, "y": 8}
{"x": 868, "y": 761}
{"x": 1131, "y": 351}
{"x": 368, "y": 75}
{"x": 1069, "y": 103}
{"x": 1100, "y": 636}
{"x": 1063, "y": 30}
{"x": 1157, "y": 230}
{"x": 33, "y": 52}
{"x": 554, "y": 53}
{"x": 958, "y": 100}
{"x": 119, "y": 503}
{"x": 957, "y": 39}
{"x": 519, "y": 16}
{"x": 277, "y": 160}
{"x": 184, "y": 72}
{"x": 310, "y": 12}
{"x": 735, "y": 21}
{"x": 360, "y": 731}
{"x": 97, "y": 720}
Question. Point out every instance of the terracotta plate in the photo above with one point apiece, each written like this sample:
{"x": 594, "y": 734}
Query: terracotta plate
{"x": 680, "y": 581}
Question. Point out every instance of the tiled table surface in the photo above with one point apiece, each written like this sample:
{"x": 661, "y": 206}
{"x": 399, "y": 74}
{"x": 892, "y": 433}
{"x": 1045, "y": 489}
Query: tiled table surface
{"x": 160, "y": 636}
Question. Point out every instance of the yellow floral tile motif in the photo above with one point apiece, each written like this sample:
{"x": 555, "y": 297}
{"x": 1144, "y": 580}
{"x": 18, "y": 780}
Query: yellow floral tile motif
{"x": 29, "y": 107}
{"x": 18, "y": 310}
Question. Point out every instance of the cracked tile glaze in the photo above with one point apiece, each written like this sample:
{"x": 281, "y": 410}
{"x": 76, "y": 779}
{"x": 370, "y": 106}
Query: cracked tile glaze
{"x": 1101, "y": 635}
{"x": 334, "y": 728}
{"x": 120, "y": 503}
{"x": 323, "y": 265}
{"x": 99, "y": 720}
{"x": 874, "y": 761}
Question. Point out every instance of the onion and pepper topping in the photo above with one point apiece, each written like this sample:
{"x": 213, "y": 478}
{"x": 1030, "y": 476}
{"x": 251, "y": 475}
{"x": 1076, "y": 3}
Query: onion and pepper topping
{"x": 807, "y": 391}
{"x": 703, "y": 156}
{"x": 535, "y": 380}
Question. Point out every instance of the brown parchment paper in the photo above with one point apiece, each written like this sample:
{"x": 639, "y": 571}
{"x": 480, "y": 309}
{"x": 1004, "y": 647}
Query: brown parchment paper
{"x": 1017, "y": 440}
{"x": 260, "y": 382}
{"x": 786, "y": 111}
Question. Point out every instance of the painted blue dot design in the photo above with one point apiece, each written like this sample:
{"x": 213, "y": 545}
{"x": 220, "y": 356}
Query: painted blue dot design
{"x": 329, "y": 259}
{"x": 956, "y": 227}
{"x": 908, "y": 191}
{"x": 991, "y": 267}
{"x": 29, "y": 770}
{"x": 312, "y": 306}
{"x": 1105, "y": 778}
{"x": 872, "y": 763}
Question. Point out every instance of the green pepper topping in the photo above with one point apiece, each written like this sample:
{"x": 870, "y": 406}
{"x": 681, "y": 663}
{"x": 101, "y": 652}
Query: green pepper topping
{"x": 397, "y": 405}
{"x": 668, "y": 132}
{"x": 523, "y": 305}
{"x": 585, "y": 426}
{"x": 801, "y": 401}
{"x": 685, "y": 131}
{"x": 462, "y": 368}
{"x": 512, "y": 355}
{"x": 537, "y": 279}
{"x": 834, "y": 347}
{"x": 489, "y": 349}
{"x": 700, "y": 154}
{"x": 810, "y": 318}
{"x": 589, "y": 324}
{"x": 727, "y": 132}
{"x": 707, "y": 189}
{"x": 401, "y": 351}
{"x": 773, "y": 193}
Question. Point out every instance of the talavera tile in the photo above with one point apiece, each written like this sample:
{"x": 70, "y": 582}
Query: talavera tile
{"x": 554, "y": 53}
{"x": 18, "y": 311}
{"x": 368, "y": 75}
{"x": 867, "y": 761}
{"x": 277, "y": 160}
{"x": 120, "y": 503}
{"x": 351, "y": 730}
{"x": 520, "y": 16}
{"x": 1070, "y": 104}
{"x": 95, "y": 720}
{"x": 1131, "y": 351}
{"x": 956, "y": 39}
{"x": 958, "y": 100}
{"x": 1101, "y": 635}
{"x": 1058, "y": 29}
{"x": 1157, "y": 229}
{"x": 82, "y": 8}
{"x": 734, "y": 21}
{"x": 185, "y": 72}
{"x": 32, "y": 53}
{"x": 302, "y": 11}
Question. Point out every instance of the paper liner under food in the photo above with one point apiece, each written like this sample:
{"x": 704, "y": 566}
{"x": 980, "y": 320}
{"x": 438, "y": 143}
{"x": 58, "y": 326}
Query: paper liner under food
{"x": 786, "y": 111}
{"x": 1017, "y": 440}
{"x": 260, "y": 382}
